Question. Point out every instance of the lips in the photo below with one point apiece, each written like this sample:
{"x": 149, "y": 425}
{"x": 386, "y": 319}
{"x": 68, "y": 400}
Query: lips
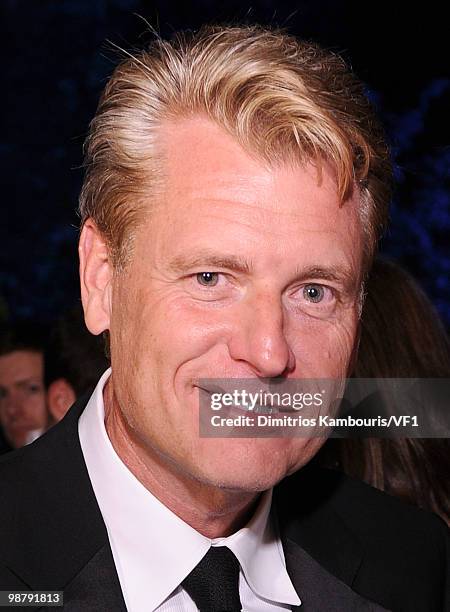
{"x": 212, "y": 389}
{"x": 229, "y": 409}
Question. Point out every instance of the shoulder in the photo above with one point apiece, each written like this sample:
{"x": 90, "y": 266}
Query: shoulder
{"x": 361, "y": 505}
{"x": 47, "y": 456}
{"x": 400, "y": 553}
{"x": 48, "y": 507}
{"x": 30, "y": 474}
{"x": 372, "y": 515}
{"x": 35, "y": 479}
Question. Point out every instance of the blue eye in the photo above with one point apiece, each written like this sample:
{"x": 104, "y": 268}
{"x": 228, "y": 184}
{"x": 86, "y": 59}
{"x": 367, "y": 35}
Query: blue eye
{"x": 313, "y": 293}
{"x": 208, "y": 279}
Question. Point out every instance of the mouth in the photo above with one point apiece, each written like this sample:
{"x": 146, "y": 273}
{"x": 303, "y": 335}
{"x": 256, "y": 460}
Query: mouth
{"x": 235, "y": 408}
{"x": 211, "y": 389}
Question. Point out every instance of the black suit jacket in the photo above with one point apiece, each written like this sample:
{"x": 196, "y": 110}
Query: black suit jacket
{"x": 347, "y": 547}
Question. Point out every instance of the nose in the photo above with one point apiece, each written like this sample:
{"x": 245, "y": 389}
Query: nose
{"x": 12, "y": 406}
{"x": 259, "y": 338}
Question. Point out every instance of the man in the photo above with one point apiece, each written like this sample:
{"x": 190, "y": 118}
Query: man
{"x": 236, "y": 186}
{"x": 23, "y": 410}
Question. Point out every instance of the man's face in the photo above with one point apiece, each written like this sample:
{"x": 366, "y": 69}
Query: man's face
{"x": 241, "y": 271}
{"x": 23, "y": 413}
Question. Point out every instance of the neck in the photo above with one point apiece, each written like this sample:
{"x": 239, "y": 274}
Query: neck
{"x": 214, "y": 512}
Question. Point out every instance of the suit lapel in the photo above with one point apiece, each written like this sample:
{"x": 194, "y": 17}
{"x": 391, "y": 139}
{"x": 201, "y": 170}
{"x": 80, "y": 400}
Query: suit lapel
{"x": 306, "y": 516}
{"x": 96, "y": 587}
{"x": 322, "y": 554}
{"x": 60, "y": 541}
{"x": 318, "y": 589}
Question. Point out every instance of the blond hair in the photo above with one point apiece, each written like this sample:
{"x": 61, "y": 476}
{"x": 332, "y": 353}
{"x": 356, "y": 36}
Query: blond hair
{"x": 281, "y": 98}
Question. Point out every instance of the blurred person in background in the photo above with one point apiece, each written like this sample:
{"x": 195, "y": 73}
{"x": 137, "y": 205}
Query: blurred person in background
{"x": 23, "y": 410}
{"x": 74, "y": 361}
{"x": 401, "y": 337}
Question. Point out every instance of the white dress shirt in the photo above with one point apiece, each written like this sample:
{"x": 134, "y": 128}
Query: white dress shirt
{"x": 154, "y": 549}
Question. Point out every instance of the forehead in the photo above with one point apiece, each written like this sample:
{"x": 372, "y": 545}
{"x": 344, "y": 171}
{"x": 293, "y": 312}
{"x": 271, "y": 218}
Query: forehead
{"x": 200, "y": 157}
{"x": 18, "y": 365}
{"x": 217, "y": 193}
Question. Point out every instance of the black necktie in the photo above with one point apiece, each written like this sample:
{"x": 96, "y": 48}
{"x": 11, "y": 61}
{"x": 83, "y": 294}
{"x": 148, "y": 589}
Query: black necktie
{"x": 213, "y": 584}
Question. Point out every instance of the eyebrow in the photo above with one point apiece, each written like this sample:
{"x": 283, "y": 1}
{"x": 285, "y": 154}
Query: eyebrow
{"x": 338, "y": 274}
{"x": 26, "y": 381}
{"x": 206, "y": 259}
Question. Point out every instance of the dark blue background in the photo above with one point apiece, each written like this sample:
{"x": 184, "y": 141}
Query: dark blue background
{"x": 56, "y": 58}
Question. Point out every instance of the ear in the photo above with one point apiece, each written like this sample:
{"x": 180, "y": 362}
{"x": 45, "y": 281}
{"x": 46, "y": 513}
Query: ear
{"x": 60, "y": 397}
{"x": 95, "y": 278}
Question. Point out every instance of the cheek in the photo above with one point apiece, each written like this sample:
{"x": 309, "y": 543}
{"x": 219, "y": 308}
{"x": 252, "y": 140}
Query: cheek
{"x": 154, "y": 338}
{"x": 341, "y": 343}
{"x": 178, "y": 332}
{"x": 324, "y": 348}
{"x": 36, "y": 407}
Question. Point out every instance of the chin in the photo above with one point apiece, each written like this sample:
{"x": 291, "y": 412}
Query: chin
{"x": 257, "y": 467}
{"x": 243, "y": 483}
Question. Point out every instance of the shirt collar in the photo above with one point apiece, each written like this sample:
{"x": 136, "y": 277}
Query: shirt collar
{"x": 144, "y": 533}
{"x": 258, "y": 547}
